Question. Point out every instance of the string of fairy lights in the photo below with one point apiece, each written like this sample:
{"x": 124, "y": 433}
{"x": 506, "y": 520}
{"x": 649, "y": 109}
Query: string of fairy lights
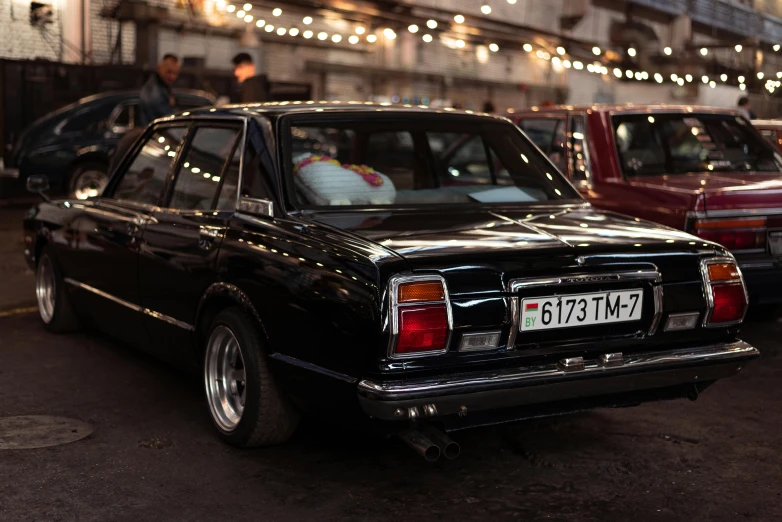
{"x": 453, "y": 33}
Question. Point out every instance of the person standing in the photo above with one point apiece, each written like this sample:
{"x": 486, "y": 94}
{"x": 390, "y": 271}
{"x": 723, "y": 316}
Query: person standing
{"x": 156, "y": 98}
{"x": 254, "y": 87}
{"x": 155, "y": 101}
{"x": 745, "y": 109}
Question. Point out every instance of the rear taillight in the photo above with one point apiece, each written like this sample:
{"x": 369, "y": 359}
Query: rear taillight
{"x": 420, "y": 316}
{"x": 733, "y": 233}
{"x": 726, "y": 295}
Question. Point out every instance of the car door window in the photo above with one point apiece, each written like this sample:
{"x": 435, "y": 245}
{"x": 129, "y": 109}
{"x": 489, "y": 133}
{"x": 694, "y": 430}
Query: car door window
{"x": 125, "y": 118}
{"x": 579, "y": 155}
{"x": 201, "y": 169}
{"x": 145, "y": 178}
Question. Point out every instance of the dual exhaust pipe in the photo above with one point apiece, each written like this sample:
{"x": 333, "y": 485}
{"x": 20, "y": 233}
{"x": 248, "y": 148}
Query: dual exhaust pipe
{"x": 430, "y": 443}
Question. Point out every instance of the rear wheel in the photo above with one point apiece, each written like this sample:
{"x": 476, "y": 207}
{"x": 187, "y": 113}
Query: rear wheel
{"x": 88, "y": 180}
{"x": 245, "y": 403}
{"x": 54, "y": 306}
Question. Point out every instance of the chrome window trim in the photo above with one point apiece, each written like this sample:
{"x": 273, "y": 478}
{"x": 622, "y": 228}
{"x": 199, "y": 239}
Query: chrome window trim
{"x": 589, "y": 181}
{"x": 651, "y": 275}
{"x": 709, "y": 294}
{"x": 128, "y": 304}
{"x": 393, "y": 308}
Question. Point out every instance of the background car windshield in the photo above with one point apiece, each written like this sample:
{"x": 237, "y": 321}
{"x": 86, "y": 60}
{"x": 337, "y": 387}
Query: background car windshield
{"x": 372, "y": 162}
{"x": 654, "y": 144}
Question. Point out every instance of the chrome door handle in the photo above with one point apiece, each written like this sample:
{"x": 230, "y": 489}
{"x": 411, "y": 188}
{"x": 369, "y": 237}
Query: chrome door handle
{"x": 207, "y": 236}
{"x": 209, "y": 233}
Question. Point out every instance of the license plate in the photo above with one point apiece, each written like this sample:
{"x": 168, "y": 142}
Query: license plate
{"x": 775, "y": 243}
{"x": 566, "y": 311}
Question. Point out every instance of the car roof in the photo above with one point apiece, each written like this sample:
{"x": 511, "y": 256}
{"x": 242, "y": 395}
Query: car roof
{"x": 625, "y": 108}
{"x": 133, "y": 93}
{"x": 276, "y": 109}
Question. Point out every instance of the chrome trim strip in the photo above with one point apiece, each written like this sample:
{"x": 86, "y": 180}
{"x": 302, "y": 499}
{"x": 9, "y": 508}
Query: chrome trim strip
{"x": 709, "y": 293}
{"x": 745, "y": 212}
{"x": 127, "y": 304}
{"x": 634, "y": 275}
{"x": 652, "y": 361}
{"x": 312, "y": 367}
{"x": 393, "y": 307}
{"x": 658, "y": 309}
{"x": 514, "y": 323}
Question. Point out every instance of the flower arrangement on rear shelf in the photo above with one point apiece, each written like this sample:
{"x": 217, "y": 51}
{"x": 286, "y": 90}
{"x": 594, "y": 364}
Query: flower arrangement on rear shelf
{"x": 369, "y": 174}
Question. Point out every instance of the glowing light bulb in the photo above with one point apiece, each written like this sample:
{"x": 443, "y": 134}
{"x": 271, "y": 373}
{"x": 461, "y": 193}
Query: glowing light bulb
{"x": 307, "y": 34}
{"x": 631, "y": 52}
{"x": 248, "y": 18}
{"x": 738, "y": 48}
{"x": 353, "y": 39}
{"x": 293, "y": 32}
{"x": 307, "y": 20}
{"x": 427, "y": 38}
{"x": 389, "y": 33}
{"x": 336, "y": 38}
{"x": 704, "y": 51}
{"x": 459, "y": 19}
{"x": 276, "y": 11}
{"x": 431, "y": 24}
{"x": 281, "y": 31}
{"x": 360, "y": 30}
{"x": 493, "y": 47}
{"x": 322, "y": 35}
{"x": 247, "y": 7}
{"x": 371, "y": 38}
{"x": 596, "y": 50}
{"x": 668, "y": 51}
{"x": 413, "y": 28}
{"x": 260, "y": 23}
{"x": 724, "y": 77}
{"x": 486, "y": 9}
{"x": 527, "y": 48}
{"x": 561, "y": 50}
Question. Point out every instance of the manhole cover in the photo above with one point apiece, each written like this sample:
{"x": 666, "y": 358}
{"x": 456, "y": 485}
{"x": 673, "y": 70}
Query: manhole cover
{"x": 40, "y": 431}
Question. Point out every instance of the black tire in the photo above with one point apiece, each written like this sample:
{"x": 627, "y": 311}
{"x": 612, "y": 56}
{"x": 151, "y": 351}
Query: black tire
{"x": 63, "y": 317}
{"x": 268, "y": 417}
{"x": 82, "y": 169}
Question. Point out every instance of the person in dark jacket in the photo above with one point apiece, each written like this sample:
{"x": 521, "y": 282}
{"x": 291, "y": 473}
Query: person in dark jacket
{"x": 254, "y": 88}
{"x": 156, "y": 99}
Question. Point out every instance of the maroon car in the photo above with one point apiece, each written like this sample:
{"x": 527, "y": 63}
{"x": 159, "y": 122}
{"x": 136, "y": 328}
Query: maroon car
{"x": 703, "y": 170}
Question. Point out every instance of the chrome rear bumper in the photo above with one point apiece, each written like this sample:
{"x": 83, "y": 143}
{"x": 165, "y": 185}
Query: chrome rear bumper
{"x": 568, "y": 379}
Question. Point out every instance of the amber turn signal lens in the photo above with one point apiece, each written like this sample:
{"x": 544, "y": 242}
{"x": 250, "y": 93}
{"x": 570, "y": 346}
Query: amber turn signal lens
{"x": 420, "y": 292}
{"x": 723, "y": 272}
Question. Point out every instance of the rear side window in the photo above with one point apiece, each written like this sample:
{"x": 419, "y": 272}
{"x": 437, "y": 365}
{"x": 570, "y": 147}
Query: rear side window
{"x": 201, "y": 170}
{"x": 541, "y": 131}
{"x": 145, "y": 178}
{"x": 83, "y": 121}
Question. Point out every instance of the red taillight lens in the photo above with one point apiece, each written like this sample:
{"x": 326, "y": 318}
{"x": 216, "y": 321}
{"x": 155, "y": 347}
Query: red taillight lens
{"x": 735, "y": 239}
{"x": 730, "y": 302}
{"x": 422, "y": 329}
{"x": 733, "y": 234}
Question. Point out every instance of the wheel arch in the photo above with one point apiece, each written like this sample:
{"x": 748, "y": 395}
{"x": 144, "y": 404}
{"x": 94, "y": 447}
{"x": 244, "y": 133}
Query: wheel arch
{"x": 216, "y": 298}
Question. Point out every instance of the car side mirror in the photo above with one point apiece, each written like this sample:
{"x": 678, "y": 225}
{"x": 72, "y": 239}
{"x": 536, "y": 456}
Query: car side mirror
{"x": 38, "y": 184}
{"x": 259, "y": 207}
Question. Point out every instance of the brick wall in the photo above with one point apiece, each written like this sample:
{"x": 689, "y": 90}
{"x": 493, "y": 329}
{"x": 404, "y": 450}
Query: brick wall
{"x": 20, "y": 40}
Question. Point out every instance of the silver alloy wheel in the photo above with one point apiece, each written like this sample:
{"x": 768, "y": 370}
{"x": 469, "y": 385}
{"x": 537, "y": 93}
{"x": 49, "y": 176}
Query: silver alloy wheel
{"x": 45, "y": 289}
{"x": 225, "y": 378}
{"x": 88, "y": 184}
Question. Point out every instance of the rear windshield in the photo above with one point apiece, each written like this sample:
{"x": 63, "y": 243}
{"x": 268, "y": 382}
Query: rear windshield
{"x": 368, "y": 160}
{"x": 654, "y": 144}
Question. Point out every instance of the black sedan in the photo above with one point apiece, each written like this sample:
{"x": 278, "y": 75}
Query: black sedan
{"x": 72, "y": 145}
{"x": 336, "y": 260}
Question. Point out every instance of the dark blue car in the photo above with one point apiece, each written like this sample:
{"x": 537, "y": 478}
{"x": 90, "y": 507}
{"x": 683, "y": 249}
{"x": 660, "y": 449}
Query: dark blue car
{"x": 72, "y": 146}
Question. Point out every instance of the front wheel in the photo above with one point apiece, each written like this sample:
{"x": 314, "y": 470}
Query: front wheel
{"x": 246, "y": 404}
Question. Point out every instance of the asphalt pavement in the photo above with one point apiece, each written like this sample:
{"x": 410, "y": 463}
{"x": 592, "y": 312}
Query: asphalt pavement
{"x": 154, "y": 455}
